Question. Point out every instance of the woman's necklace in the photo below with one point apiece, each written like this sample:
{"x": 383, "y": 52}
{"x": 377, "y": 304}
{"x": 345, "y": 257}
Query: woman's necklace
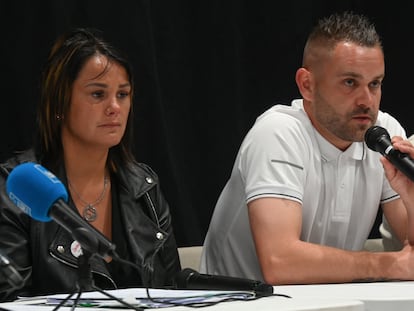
{"x": 89, "y": 211}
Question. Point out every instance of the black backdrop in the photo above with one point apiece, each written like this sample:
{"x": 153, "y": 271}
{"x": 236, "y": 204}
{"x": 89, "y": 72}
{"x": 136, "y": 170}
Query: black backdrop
{"x": 204, "y": 71}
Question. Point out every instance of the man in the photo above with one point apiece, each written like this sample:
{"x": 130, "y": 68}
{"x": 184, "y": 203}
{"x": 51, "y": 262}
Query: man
{"x": 305, "y": 189}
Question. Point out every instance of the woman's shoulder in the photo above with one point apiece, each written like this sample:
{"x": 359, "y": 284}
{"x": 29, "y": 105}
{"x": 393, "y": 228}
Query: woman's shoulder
{"x": 139, "y": 171}
{"x": 18, "y": 158}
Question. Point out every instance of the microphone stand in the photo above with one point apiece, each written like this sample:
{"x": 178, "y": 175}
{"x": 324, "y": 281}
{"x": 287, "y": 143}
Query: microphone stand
{"x": 86, "y": 283}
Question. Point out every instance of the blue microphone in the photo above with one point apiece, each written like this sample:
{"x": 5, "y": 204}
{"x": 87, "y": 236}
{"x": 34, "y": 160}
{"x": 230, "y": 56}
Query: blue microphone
{"x": 42, "y": 196}
{"x": 34, "y": 190}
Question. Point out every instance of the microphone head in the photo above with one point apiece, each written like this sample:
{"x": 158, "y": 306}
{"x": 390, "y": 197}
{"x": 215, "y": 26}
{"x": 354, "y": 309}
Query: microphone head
{"x": 374, "y": 136}
{"x": 181, "y": 278}
{"x": 34, "y": 190}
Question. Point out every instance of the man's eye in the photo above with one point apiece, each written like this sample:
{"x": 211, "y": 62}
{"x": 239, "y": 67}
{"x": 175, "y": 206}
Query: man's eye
{"x": 349, "y": 82}
{"x": 376, "y": 84}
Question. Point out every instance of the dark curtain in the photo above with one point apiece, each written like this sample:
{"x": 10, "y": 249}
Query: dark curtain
{"x": 204, "y": 71}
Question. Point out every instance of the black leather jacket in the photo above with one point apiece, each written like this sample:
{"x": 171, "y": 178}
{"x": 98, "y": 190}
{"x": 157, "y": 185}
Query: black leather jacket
{"x": 41, "y": 251}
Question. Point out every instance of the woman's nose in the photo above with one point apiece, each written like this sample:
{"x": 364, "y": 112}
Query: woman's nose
{"x": 113, "y": 107}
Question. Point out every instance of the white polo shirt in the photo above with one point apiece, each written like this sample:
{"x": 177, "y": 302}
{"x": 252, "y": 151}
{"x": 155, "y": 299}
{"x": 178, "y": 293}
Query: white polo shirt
{"x": 284, "y": 156}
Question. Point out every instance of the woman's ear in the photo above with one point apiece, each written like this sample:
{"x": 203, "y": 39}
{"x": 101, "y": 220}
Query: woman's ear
{"x": 304, "y": 82}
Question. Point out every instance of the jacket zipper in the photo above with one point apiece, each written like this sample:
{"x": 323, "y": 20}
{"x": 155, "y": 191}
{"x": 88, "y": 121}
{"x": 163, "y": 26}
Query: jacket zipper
{"x": 154, "y": 212}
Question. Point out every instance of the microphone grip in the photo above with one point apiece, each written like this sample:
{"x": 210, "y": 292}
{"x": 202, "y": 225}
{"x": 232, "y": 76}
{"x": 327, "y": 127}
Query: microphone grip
{"x": 191, "y": 279}
{"x": 401, "y": 161}
{"x": 378, "y": 139}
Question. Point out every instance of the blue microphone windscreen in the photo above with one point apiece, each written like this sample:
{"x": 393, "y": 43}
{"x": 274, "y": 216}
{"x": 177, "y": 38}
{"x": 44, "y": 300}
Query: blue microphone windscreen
{"x": 34, "y": 189}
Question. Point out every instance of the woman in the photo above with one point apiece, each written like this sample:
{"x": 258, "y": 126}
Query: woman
{"x": 84, "y": 138}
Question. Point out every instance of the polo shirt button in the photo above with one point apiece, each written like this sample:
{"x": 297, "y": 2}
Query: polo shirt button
{"x": 61, "y": 249}
{"x": 149, "y": 180}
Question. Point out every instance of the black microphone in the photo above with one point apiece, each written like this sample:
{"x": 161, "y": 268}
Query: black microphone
{"x": 41, "y": 195}
{"x": 9, "y": 271}
{"x": 191, "y": 279}
{"x": 378, "y": 139}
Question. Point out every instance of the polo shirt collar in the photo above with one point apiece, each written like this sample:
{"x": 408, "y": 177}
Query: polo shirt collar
{"x": 329, "y": 152}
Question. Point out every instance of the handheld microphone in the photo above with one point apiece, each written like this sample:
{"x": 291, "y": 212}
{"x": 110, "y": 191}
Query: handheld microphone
{"x": 191, "y": 279}
{"x": 12, "y": 275}
{"x": 41, "y": 195}
{"x": 378, "y": 139}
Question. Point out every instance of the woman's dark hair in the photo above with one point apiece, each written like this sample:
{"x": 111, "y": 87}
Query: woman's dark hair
{"x": 67, "y": 57}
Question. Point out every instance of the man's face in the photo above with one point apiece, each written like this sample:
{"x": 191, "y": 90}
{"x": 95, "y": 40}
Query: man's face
{"x": 347, "y": 93}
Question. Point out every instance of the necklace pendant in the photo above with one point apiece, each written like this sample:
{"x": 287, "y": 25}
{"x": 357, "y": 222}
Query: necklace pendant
{"x": 89, "y": 213}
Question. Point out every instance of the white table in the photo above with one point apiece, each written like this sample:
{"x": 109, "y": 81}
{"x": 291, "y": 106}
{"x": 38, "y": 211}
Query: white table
{"x": 263, "y": 304}
{"x": 378, "y": 296}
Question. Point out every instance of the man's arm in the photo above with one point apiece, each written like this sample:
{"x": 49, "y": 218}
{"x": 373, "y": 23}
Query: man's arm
{"x": 396, "y": 216}
{"x": 405, "y": 187}
{"x": 285, "y": 259}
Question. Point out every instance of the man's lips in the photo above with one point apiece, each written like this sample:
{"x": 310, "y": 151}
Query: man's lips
{"x": 364, "y": 117}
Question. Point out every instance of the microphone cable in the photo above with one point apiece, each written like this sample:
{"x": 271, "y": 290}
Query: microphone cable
{"x": 215, "y": 298}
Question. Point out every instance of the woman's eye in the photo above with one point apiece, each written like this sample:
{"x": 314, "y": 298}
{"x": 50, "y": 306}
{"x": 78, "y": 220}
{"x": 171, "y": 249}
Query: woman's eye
{"x": 123, "y": 94}
{"x": 97, "y": 94}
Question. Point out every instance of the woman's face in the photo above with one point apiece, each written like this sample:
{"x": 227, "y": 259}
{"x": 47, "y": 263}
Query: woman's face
{"x": 99, "y": 107}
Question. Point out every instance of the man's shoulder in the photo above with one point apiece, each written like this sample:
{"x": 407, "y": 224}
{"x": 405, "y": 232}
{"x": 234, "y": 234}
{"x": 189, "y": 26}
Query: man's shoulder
{"x": 281, "y": 109}
{"x": 389, "y": 122}
{"x": 283, "y": 120}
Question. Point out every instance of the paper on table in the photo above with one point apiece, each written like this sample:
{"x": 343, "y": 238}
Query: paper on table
{"x": 161, "y": 297}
